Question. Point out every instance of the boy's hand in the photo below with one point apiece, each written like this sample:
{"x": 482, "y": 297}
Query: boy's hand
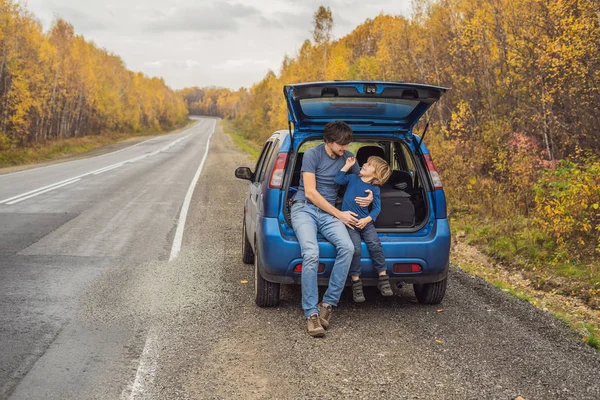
{"x": 350, "y": 161}
{"x": 364, "y": 201}
{"x": 363, "y": 222}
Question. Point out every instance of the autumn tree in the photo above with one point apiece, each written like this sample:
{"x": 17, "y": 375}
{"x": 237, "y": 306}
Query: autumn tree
{"x": 322, "y": 32}
{"x": 58, "y": 85}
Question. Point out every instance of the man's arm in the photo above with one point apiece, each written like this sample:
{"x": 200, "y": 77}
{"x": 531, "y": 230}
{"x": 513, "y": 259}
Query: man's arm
{"x": 311, "y": 193}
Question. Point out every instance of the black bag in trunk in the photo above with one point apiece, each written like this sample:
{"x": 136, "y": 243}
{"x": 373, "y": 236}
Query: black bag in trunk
{"x": 397, "y": 211}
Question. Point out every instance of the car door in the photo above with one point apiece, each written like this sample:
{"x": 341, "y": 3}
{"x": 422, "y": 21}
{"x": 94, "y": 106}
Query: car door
{"x": 256, "y": 188}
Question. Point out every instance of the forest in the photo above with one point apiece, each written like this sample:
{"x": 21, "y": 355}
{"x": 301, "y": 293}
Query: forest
{"x": 58, "y": 85}
{"x": 516, "y": 137}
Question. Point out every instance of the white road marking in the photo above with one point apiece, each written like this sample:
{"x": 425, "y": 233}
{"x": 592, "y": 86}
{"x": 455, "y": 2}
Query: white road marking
{"x": 186, "y": 204}
{"x": 108, "y": 169}
{"x": 35, "y": 192}
{"x": 43, "y": 191}
{"x": 146, "y": 371}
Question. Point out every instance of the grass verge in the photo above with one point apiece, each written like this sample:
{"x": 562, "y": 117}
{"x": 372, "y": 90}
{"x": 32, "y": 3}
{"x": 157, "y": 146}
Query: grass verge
{"x": 520, "y": 246}
{"x": 245, "y": 145}
{"x": 61, "y": 148}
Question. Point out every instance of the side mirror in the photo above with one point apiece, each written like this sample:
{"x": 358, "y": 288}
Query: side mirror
{"x": 244, "y": 173}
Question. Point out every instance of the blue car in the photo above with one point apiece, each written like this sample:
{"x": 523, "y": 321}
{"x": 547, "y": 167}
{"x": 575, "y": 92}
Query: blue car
{"x": 412, "y": 225}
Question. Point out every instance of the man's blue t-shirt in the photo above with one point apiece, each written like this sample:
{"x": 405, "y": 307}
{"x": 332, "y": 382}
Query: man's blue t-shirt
{"x": 317, "y": 161}
{"x": 356, "y": 188}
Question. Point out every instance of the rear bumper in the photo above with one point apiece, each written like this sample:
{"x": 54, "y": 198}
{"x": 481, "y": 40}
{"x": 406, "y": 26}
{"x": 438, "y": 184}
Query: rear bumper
{"x": 430, "y": 249}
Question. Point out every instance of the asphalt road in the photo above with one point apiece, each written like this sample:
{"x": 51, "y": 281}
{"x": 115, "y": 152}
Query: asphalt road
{"x": 91, "y": 307}
{"x": 63, "y": 229}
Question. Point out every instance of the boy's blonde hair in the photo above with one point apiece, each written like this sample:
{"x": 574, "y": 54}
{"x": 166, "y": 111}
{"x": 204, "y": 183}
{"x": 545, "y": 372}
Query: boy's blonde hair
{"x": 382, "y": 170}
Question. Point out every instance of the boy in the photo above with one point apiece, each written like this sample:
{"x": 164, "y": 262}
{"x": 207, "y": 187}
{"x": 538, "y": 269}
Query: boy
{"x": 374, "y": 173}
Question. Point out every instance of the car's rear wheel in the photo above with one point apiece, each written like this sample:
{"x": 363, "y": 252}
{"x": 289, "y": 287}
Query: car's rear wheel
{"x": 247, "y": 253}
{"x": 267, "y": 293}
{"x": 431, "y": 293}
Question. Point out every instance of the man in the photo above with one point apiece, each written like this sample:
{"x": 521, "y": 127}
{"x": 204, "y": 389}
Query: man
{"x": 313, "y": 210}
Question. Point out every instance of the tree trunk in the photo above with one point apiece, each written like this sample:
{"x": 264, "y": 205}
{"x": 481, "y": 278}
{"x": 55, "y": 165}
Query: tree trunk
{"x": 545, "y": 128}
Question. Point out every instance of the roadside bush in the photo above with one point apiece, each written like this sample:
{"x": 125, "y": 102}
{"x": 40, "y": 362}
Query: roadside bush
{"x": 5, "y": 142}
{"x": 568, "y": 206}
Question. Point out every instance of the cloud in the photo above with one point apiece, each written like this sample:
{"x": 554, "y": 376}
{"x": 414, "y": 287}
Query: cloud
{"x": 243, "y": 63}
{"x": 229, "y": 43}
{"x": 289, "y": 20}
{"x": 174, "y": 64}
{"x": 83, "y": 22}
{"x": 219, "y": 17}
{"x": 301, "y": 22}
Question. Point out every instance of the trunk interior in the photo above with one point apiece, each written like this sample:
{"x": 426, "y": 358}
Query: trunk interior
{"x": 404, "y": 206}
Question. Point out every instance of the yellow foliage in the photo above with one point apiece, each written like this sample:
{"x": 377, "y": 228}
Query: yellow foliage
{"x": 566, "y": 203}
{"x": 59, "y": 85}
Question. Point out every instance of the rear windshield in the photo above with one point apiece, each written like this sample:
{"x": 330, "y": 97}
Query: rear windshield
{"x": 357, "y": 106}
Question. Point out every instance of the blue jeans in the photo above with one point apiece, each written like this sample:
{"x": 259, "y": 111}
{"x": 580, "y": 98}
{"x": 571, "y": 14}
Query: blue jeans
{"x": 369, "y": 235}
{"x": 307, "y": 220}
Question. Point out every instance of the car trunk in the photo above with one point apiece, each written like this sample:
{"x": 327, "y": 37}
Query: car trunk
{"x": 405, "y": 205}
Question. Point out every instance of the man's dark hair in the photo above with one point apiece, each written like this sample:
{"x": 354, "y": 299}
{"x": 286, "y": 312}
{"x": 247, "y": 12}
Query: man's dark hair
{"x": 338, "y": 132}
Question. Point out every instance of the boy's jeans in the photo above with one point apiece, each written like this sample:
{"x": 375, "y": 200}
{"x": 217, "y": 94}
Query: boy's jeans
{"x": 369, "y": 235}
{"x": 307, "y": 220}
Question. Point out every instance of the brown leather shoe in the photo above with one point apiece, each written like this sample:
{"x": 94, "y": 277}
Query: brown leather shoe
{"x": 314, "y": 326}
{"x": 325, "y": 312}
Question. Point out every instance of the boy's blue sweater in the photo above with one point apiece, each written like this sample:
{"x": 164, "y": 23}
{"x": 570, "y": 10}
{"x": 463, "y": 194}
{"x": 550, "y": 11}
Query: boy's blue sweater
{"x": 356, "y": 188}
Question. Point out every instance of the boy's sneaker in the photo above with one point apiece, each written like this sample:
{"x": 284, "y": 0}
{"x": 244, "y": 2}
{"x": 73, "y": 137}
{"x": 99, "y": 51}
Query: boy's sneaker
{"x": 325, "y": 311}
{"x": 384, "y": 285}
{"x": 314, "y": 326}
{"x": 357, "y": 291}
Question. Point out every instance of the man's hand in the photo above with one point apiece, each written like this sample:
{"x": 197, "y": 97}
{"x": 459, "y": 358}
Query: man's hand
{"x": 363, "y": 222}
{"x": 348, "y": 218}
{"x": 364, "y": 201}
{"x": 350, "y": 161}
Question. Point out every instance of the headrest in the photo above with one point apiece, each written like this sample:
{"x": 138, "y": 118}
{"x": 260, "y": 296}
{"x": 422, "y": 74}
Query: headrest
{"x": 363, "y": 154}
{"x": 400, "y": 180}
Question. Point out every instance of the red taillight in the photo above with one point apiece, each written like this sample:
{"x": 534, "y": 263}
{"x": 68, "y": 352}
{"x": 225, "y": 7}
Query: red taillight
{"x": 435, "y": 177}
{"x": 276, "y": 180}
{"x": 298, "y": 268}
{"x": 407, "y": 268}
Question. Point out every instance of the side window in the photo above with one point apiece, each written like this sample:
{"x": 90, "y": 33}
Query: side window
{"x": 266, "y": 161}
{"x": 261, "y": 161}
{"x": 408, "y": 160}
{"x": 395, "y": 164}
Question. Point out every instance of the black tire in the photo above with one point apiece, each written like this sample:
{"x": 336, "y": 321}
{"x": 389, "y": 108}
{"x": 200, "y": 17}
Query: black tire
{"x": 247, "y": 253}
{"x": 267, "y": 293}
{"x": 431, "y": 293}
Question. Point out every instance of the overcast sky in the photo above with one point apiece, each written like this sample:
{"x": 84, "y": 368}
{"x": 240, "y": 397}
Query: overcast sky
{"x": 203, "y": 42}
